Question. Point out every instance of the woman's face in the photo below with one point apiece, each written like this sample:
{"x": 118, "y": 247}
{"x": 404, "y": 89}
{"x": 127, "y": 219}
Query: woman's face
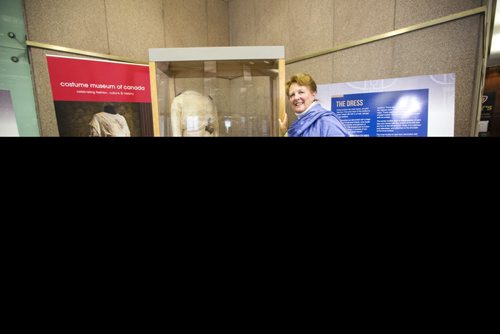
{"x": 300, "y": 98}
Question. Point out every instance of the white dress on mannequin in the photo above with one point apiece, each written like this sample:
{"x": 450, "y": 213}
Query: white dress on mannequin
{"x": 194, "y": 115}
{"x": 108, "y": 125}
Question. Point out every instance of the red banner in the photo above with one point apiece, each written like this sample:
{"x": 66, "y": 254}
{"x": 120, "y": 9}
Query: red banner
{"x": 76, "y": 79}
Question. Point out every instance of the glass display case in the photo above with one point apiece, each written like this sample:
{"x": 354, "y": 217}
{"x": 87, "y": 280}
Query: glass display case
{"x": 218, "y": 91}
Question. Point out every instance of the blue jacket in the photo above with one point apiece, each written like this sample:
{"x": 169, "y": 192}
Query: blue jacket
{"x": 318, "y": 122}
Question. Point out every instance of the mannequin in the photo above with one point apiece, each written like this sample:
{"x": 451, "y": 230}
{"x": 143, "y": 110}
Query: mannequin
{"x": 194, "y": 115}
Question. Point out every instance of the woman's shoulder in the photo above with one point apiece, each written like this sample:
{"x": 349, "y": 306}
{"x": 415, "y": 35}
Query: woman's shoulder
{"x": 331, "y": 125}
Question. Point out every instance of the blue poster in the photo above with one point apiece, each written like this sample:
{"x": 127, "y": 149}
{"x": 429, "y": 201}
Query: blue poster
{"x": 394, "y": 107}
{"x": 384, "y": 114}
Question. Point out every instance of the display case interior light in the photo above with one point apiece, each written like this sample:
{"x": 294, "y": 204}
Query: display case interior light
{"x": 218, "y": 92}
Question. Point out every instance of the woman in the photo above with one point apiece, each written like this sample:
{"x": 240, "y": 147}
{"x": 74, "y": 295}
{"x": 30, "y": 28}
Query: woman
{"x": 313, "y": 120}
